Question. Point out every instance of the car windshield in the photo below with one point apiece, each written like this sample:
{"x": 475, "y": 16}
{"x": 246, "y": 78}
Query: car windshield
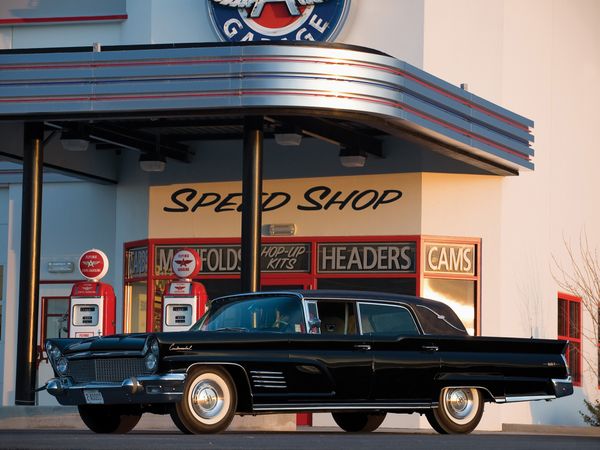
{"x": 278, "y": 313}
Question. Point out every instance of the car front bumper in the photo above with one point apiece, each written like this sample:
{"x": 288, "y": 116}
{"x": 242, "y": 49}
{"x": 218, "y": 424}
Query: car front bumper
{"x": 563, "y": 387}
{"x": 166, "y": 388}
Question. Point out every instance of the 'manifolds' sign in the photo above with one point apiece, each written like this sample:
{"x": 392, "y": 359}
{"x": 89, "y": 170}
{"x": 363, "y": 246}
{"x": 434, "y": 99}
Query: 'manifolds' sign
{"x": 293, "y": 20}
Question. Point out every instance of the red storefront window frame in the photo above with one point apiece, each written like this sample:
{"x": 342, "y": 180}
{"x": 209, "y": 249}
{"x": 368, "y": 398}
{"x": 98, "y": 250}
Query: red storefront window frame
{"x": 569, "y": 298}
{"x": 310, "y": 278}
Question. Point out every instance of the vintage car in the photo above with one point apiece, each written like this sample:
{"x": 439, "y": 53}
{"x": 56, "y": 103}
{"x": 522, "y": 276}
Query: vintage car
{"x": 358, "y": 355}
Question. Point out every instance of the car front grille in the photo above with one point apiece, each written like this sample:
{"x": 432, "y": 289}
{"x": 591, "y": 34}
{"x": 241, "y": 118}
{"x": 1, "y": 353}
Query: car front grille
{"x": 106, "y": 370}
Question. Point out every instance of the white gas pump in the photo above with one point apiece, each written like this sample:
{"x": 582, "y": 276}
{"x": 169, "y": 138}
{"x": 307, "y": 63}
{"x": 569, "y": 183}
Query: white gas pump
{"x": 184, "y": 300}
{"x": 92, "y": 304}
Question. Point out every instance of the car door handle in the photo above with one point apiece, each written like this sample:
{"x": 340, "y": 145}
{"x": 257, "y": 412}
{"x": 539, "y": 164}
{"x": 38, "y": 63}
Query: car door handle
{"x": 363, "y": 347}
{"x": 430, "y": 348}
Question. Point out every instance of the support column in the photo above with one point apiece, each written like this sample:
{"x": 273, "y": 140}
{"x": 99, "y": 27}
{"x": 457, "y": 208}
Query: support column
{"x": 252, "y": 203}
{"x": 29, "y": 276}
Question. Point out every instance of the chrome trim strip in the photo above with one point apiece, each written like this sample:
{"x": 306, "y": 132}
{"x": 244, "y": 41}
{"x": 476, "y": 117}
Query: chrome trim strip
{"x": 526, "y": 398}
{"x": 264, "y": 372}
{"x": 91, "y": 355}
{"x": 157, "y": 378}
{"x": 341, "y": 406}
{"x": 555, "y": 381}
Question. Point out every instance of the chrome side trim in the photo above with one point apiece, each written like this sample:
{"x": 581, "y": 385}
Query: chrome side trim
{"x": 342, "y": 406}
{"x": 264, "y": 379}
{"x": 525, "y": 398}
{"x": 556, "y": 381}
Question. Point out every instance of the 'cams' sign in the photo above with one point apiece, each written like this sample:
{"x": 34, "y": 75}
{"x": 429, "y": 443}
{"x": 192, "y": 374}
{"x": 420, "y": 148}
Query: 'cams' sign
{"x": 447, "y": 258}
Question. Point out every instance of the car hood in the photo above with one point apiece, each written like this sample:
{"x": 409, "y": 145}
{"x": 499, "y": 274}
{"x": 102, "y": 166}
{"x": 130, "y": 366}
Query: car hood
{"x": 119, "y": 342}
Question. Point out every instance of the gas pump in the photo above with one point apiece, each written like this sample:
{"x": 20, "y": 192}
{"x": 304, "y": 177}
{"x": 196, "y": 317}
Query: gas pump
{"x": 92, "y": 303}
{"x": 184, "y": 300}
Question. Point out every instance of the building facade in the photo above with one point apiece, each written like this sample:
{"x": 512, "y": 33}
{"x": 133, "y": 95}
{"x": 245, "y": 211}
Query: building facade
{"x": 414, "y": 221}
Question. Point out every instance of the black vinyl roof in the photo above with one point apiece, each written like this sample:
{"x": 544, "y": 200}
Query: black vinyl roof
{"x": 434, "y": 317}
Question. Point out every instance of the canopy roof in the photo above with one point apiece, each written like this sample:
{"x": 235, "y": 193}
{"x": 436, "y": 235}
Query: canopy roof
{"x": 344, "y": 94}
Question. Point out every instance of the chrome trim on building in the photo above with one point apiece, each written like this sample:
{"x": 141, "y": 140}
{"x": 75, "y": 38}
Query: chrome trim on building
{"x": 321, "y": 80}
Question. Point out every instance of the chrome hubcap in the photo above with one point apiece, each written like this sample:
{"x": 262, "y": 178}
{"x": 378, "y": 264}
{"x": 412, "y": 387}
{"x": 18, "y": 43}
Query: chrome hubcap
{"x": 207, "y": 399}
{"x": 459, "y": 402}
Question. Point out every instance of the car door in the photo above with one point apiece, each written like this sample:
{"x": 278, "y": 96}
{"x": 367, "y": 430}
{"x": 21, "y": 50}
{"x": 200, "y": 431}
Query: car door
{"x": 333, "y": 363}
{"x": 405, "y": 362}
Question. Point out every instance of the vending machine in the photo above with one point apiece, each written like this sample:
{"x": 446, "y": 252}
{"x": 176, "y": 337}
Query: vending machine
{"x": 184, "y": 300}
{"x": 92, "y": 304}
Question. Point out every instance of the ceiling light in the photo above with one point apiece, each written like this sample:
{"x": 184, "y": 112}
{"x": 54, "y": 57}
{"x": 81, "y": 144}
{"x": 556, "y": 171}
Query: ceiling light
{"x": 288, "y": 139}
{"x": 351, "y": 157}
{"x": 152, "y": 162}
{"x": 75, "y": 139}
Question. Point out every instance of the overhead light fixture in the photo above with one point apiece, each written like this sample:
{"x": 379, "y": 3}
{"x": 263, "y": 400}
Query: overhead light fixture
{"x": 352, "y": 157}
{"x": 280, "y": 229}
{"x": 288, "y": 139}
{"x": 75, "y": 139}
{"x": 152, "y": 162}
{"x": 288, "y": 135}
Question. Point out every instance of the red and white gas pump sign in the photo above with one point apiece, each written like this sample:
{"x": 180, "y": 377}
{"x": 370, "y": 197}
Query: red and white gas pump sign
{"x": 92, "y": 303}
{"x": 184, "y": 300}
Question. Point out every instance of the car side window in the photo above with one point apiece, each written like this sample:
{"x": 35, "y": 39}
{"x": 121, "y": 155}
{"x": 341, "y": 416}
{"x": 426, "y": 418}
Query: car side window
{"x": 337, "y": 317}
{"x": 386, "y": 319}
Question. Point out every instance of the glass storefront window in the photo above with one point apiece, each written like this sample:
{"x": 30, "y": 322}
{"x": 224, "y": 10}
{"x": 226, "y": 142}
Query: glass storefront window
{"x": 406, "y": 286}
{"x": 460, "y": 295}
{"x": 136, "y": 299}
{"x": 56, "y": 318}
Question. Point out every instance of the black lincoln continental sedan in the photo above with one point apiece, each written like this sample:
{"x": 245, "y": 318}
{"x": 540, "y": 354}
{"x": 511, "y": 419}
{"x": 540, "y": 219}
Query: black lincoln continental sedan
{"x": 358, "y": 355}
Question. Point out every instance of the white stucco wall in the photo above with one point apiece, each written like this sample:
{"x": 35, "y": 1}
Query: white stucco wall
{"x": 541, "y": 59}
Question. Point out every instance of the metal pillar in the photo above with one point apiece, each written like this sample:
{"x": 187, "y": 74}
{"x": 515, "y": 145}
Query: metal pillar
{"x": 252, "y": 203}
{"x": 29, "y": 276}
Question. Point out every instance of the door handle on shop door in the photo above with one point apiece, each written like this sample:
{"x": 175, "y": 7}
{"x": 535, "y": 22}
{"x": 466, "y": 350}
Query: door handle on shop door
{"x": 363, "y": 347}
{"x": 430, "y": 348}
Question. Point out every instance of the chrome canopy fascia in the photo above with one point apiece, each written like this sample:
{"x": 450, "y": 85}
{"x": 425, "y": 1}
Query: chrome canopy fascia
{"x": 321, "y": 80}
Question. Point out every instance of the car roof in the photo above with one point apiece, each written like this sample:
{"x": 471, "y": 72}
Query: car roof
{"x": 435, "y": 317}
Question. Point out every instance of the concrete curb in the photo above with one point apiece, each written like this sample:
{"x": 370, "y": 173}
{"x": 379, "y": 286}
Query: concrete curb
{"x": 550, "y": 429}
{"x": 67, "y": 418}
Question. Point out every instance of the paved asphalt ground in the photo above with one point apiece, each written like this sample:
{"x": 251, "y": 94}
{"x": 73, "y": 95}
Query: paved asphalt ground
{"x": 310, "y": 440}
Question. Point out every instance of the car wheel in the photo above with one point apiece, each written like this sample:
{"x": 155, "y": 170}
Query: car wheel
{"x": 108, "y": 419}
{"x": 358, "y": 422}
{"x": 459, "y": 411}
{"x": 209, "y": 401}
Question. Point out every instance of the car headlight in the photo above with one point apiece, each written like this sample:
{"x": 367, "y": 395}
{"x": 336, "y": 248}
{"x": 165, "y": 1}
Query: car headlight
{"x": 152, "y": 349}
{"x": 151, "y": 361}
{"x": 62, "y": 365}
{"x": 52, "y": 351}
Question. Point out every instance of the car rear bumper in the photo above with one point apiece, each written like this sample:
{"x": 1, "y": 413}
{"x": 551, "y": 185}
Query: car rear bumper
{"x": 166, "y": 388}
{"x": 563, "y": 387}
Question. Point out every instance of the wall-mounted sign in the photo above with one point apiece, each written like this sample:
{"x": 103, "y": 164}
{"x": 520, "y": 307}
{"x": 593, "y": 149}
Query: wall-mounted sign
{"x": 226, "y": 259}
{"x": 373, "y": 257}
{"x": 93, "y": 264}
{"x": 315, "y": 198}
{"x": 136, "y": 261}
{"x": 32, "y": 12}
{"x": 450, "y": 258}
{"x": 269, "y": 20}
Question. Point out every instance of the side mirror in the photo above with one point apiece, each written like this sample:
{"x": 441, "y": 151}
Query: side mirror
{"x": 314, "y": 324}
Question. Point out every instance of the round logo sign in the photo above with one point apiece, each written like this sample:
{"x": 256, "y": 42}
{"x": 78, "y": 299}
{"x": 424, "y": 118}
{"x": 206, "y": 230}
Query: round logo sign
{"x": 275, "y": 20}
{"x": 93, "y": 264}
{"x": 186, "y": 263}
